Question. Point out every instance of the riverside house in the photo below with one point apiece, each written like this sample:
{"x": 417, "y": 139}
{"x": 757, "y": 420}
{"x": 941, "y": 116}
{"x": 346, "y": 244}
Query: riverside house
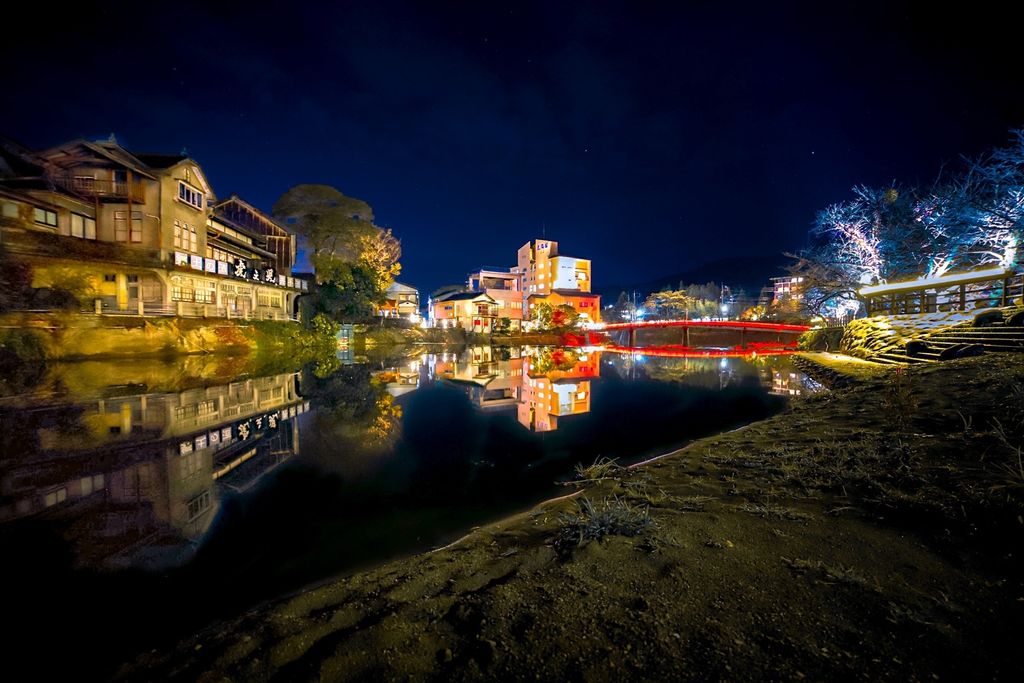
{"x": 141, "y": 234}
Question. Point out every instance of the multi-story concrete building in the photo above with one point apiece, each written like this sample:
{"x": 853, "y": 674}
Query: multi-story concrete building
{"x": 142, "y": 234}
{"x": 541, "y": 276}
{"x": 787, "y": 287}
{"x": 549, "y": 277}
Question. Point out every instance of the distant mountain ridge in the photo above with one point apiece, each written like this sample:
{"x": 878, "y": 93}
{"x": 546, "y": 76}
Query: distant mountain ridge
{"x": 750, "y": 273}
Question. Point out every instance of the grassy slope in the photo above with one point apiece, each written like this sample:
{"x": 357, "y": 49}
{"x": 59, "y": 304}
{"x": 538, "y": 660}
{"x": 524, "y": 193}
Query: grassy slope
{"x": 866, "y": 534}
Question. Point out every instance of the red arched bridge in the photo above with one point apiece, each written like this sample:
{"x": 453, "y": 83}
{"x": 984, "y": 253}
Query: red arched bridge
{"x": 728, "y": 324}
{"x": 741, "y": 325}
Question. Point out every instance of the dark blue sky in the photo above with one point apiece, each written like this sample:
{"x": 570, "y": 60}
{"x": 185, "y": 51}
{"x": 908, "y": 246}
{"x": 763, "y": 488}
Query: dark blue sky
{"x": 647, "y": 136}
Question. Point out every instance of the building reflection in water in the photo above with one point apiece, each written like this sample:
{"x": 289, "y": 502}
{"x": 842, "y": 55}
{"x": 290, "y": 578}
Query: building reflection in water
{"x": 136, "y": 479}
{"x": 543, "y": 384}
{"x": 400, "y": 380}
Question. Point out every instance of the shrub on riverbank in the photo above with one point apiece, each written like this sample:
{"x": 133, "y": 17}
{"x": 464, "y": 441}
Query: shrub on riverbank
{"x": 294, "y": 345}
{"x": 821, "y": 339}
{"x": 22, "y": 360}
{"x": 593, "y": 521}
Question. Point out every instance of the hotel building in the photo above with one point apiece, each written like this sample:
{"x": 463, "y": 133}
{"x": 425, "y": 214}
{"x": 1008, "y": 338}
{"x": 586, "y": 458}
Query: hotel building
{"x": 554, "y": 279}
{"x": 541, "y": 275}
{"x": 142, "y": 234}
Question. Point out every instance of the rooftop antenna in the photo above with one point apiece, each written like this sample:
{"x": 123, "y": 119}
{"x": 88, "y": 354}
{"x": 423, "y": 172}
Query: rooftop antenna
{"x": 543, "y": 230}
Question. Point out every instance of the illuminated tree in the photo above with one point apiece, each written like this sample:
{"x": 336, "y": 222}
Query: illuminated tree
{"x": 560, "y": 317}
{"x": 671, "y": 304}
{"x": 548, "y": 360}
{"x": 355, "y": 261}
{"x": 967, "y": 219}
{"x": 983, "y": 209}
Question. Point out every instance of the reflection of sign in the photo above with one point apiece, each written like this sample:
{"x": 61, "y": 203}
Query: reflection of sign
{"x": 266, "y": 421}
{"x": 243, "y": 430}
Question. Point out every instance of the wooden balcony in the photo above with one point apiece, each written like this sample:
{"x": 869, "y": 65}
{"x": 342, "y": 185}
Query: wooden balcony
{"x": 103, "y": 189}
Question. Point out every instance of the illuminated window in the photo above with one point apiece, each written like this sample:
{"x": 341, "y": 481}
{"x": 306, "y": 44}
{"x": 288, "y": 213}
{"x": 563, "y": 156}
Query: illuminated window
{"x": 185, "y": 237}
{"x": 83, "y": 226}
{"x": 10, "y": 210}
{"x": 190, "y": 195}
{"x": 54, "y": 497}
{"x": 268, "y": 300}
{"x": 123, "y": 232}
{"x": 219, "y": 254}
{"x": 45, "y": 217}
{"x": 205, "y": 292}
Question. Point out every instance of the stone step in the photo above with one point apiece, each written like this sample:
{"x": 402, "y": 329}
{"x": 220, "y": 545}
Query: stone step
{"x": 894, "y": 358}
{"x": 951, "y": 340}
{"x": 981, "y": 331}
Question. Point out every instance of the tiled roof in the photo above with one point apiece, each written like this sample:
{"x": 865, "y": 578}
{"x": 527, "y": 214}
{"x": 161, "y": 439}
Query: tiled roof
{"x": 462, "y": 296}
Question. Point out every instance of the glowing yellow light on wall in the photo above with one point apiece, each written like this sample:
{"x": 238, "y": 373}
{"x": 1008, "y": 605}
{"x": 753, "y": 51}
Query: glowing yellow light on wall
{"x": 944, "y": 280}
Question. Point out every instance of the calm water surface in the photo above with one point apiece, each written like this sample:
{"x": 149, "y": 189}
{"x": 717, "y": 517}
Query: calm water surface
{"x": 140, "y": 499}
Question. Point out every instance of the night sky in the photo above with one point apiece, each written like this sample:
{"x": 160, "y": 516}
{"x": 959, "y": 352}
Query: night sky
{"x": 645, "y": 136}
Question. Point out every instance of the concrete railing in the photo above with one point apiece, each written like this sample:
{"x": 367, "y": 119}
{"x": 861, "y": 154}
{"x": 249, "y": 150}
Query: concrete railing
{"x": 186, "y": 309}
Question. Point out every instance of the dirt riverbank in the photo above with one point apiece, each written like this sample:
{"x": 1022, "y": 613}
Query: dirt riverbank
{"x": 869, "y": 533}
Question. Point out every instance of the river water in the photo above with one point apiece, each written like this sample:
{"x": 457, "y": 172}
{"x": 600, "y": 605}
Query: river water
{"x": 141, "y": 499}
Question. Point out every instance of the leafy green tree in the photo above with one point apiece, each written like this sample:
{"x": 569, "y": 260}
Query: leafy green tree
{"x": 501, "y": 325}
{"x": 354, "y": 259}
{"x": 329, "y": 222}
{"x": 671, "y": 304}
